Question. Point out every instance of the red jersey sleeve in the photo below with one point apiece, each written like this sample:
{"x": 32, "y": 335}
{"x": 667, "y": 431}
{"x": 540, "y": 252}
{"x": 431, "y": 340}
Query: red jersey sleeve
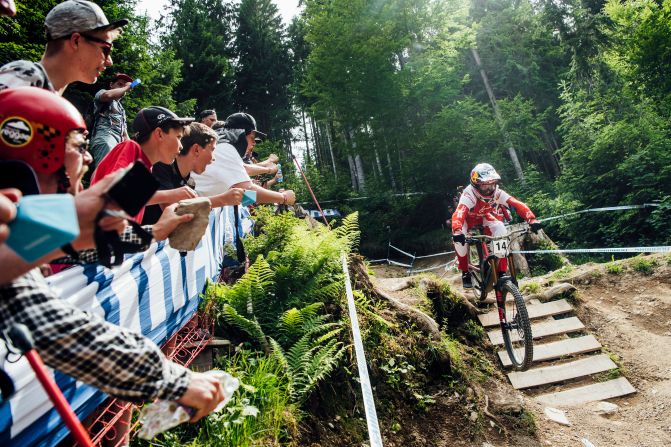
{"x": 458, "y": 218}
{"x": 521, "y": 208}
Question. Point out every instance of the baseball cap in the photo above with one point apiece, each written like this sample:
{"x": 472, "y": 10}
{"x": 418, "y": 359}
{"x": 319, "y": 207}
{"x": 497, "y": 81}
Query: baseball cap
{"x": 123, "y": 77}
{"x": 76, "y": 16}
{"x": 152, "y": 117}
{"x": 242, "y": 120}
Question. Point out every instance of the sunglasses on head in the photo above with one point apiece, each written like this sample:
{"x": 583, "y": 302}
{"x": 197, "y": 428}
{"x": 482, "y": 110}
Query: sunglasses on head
{"x": 106, "y": 46}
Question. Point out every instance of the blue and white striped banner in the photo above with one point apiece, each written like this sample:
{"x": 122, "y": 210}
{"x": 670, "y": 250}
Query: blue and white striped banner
{"x": 155, "y": 293}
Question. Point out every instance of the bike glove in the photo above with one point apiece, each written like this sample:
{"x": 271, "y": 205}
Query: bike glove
{"x": 535, "y": 226}
{"x": 459, "y": 238}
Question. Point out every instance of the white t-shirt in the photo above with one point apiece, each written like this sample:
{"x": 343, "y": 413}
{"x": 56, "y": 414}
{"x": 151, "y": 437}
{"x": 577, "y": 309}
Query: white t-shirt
{"x": 226, "y": 170}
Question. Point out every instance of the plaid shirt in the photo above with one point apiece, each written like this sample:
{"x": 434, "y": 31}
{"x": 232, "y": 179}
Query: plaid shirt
{"x": 116, "y": 360}
{"x": 90, "y": 256}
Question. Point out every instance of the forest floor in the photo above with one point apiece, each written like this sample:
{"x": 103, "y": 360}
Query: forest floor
{"x": 629, "y": 311}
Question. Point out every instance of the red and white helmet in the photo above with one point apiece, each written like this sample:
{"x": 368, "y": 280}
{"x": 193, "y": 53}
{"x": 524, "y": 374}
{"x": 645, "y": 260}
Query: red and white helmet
{"x": 484, "y": 174}
{"x": 34, "y": 124}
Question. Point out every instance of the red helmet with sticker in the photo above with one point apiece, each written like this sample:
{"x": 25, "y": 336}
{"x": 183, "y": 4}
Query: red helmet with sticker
{"x": 34, "y": 124}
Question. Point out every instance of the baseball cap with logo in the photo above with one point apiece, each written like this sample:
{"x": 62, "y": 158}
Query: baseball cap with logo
{"x": 77, "y": 16}
{"x": 244, "y": 121}
{"x": 153, "y": 117}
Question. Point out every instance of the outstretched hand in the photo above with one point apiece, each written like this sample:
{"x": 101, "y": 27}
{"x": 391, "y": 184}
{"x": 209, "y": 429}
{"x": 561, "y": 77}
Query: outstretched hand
{"x": 168, "y": 221}
{"x": 535, "y": 226}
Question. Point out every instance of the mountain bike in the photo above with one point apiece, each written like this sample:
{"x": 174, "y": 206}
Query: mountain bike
{"x": 484, "y": 254}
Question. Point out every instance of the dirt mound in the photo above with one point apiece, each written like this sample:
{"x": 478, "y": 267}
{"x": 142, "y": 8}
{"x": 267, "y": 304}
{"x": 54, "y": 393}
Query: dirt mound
{"x": 627, "y": 305}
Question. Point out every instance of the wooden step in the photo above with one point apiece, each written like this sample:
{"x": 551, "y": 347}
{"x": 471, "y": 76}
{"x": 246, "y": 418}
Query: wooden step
{"x": 538, "y": 330}
{"x": 590, "y": 393}
{"x": 559, "y": 373}
{"x": 535, "y": 311}
{"x": 558, "y": 349}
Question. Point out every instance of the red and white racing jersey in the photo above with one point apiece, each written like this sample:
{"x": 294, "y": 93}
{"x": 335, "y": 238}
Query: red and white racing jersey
{"x": 472, "y": 208}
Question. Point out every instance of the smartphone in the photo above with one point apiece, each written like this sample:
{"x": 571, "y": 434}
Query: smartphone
{"x": 133, "y": 189}
{"x": 43, "y": 223}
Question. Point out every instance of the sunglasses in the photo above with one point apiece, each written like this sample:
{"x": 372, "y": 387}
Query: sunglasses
{"x": 106, "y": 46}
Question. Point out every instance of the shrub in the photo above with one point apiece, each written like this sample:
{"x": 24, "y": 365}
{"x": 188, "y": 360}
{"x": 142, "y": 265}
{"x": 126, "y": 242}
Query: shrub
{"x": 644, "y": 265}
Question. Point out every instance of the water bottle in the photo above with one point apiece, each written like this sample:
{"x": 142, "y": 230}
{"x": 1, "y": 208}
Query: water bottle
{"x": 135, "y": 83}
{"x": 280, "y": 176}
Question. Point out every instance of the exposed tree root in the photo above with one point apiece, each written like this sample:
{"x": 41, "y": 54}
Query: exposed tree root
{"x": 554, "y": 291}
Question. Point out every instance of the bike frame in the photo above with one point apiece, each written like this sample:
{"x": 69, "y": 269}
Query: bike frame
{"x": 488, "y": 267}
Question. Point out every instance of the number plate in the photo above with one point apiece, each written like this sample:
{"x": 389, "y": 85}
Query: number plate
{"x": 500, "y": 248}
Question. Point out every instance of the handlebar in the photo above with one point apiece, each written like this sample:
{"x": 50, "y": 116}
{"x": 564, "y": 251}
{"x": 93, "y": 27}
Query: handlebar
{"x": 475, "y": 238}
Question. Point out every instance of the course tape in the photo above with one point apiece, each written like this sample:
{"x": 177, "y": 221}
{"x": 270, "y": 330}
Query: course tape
{"x": 599, "y": 210}
{"x": 445, "y": 266}
{"x": 366, "y": 389}
{"x": 402, "y": 252}
{"x": 400, "y": 264}
{"x": 661, "y": 249}
{"x": 434, "y": 255}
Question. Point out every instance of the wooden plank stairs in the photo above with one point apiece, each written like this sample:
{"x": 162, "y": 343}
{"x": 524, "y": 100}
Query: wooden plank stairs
{"x": 563, "y": 356}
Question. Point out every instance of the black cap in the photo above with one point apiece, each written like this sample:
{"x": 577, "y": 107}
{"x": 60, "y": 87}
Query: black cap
{"x": 152, "y": 117}
{"x": 244, "y": 121}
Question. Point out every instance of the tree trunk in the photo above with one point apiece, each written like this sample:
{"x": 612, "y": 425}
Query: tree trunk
{"x": 352, "y": 172}
{"x": 360, "y": 174}
{"x": 330, "y": 147}
{"x": 497, "y": 114}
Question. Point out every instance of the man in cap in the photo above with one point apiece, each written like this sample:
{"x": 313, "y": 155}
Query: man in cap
{"x": 228, "y": 170}
{"x": 79, "y": 43}
{"x": 158, "y": 138}
{"x": 109, "y": 117}
{"x": 208, "y": 117}
{"x": 116, "y": 360}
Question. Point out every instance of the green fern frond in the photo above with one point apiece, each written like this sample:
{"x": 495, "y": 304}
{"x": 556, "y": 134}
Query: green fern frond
{"x": 249, "y": 326}
{"x": 278, "y": 353}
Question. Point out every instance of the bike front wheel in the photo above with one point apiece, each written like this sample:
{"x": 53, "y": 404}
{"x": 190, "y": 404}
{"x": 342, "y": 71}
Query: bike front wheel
{"x": 517, "y": 335}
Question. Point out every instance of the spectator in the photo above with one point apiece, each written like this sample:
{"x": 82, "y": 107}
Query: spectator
{"x": 158, "y": 135}
{"x": 79, "y": 43}
{"x": 228, "y": 170}
{"x": 208, "y": 117}
{"x": 7, "y": 8}
{"x": 109, "y": 117}
{"x": 118, "y": 361}
{"x": 196, "y": 154}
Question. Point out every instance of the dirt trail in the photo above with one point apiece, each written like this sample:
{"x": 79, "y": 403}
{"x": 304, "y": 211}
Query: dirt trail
{"x": 630, "y": 314}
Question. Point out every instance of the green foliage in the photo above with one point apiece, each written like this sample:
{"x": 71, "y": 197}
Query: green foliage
{"x": 199, "y": 32}
{"x": 643, "y": 264}
{"x": 614, "y": 268}
{"x": 260, "y": 413}
{"x": 531, "y": 287}
{"x": 263, "y": 71}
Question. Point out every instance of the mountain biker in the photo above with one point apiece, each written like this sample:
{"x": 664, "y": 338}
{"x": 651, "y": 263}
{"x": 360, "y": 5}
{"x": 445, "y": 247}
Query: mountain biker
{"x": 484, "y": 204}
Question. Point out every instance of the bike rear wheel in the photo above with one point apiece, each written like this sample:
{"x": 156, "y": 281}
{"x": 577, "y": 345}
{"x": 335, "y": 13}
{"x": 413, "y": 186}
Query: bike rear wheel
{"x": 517, "y": 335}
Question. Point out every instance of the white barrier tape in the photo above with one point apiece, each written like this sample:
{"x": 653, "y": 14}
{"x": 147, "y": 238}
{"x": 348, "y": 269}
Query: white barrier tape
{"x": 661, "y": 249}
{"x": 401, "y": 251}
{"x": 434, "y": 255}
{"x": 445, "y": 266}
{"x": 400, "y": 264}
{"x": 366, "y": 389}
{"x": 598, "y": 210}
{"x": 378, "y": 260}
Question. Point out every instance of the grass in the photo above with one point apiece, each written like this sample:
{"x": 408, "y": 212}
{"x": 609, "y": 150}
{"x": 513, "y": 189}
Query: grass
{"x": 562, "y": 273}
{"x": 531, "y": 287}
{"x": 260, "y": 412}
{"x": 644, "y": 265}
{"x": 614, "y": 268}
